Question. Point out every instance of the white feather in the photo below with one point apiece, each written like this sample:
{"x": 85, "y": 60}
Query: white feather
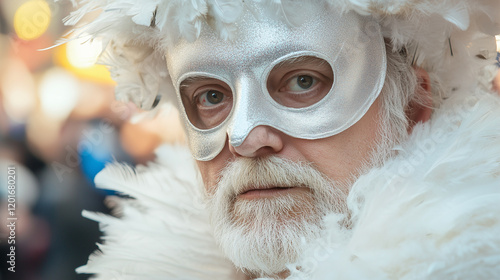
{"x": 143, "y": 14}
{"x": 227, "y": 11}
{"x": 163, "y": 232}
{"x": 189, "y": 16}
{"x": 459, "y": 16}
{"x": 433, "y": 212}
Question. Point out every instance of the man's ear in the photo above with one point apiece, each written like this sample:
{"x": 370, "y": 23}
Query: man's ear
{"x": 420, "y": 109}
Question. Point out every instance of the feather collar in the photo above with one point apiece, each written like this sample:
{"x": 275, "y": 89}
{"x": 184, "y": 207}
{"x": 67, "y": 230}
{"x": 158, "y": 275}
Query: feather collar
{"x": 432, "y": 212}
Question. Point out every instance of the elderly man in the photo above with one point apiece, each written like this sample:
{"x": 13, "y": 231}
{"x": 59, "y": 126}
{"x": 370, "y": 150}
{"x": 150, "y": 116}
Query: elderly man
{"x": 310, "y": 123}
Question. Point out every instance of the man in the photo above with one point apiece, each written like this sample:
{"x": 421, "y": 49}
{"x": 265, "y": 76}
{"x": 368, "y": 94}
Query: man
{"x": 311, "y": 127}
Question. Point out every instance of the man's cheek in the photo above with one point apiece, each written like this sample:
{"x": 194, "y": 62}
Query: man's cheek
{"x": 212, "y": 177}
{"x": 205, "y": 175}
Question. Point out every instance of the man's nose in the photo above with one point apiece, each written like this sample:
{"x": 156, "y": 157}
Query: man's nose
{"x": 261, "y": 141}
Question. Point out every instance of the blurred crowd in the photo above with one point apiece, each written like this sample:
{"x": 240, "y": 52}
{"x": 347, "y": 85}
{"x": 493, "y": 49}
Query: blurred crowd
{"x": 59, "y": 126}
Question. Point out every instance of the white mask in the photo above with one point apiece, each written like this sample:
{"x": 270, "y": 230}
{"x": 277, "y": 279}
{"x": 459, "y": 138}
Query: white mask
{"x": 227, "y": 88}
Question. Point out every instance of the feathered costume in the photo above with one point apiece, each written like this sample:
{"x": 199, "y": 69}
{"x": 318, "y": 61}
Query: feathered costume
{"x": 431, "y": 212}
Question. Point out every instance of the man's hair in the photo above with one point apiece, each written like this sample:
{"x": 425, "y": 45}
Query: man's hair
{"x": 401, "y": 88}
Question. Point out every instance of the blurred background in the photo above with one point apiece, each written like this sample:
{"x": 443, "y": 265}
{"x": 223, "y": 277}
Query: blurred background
{"x": 59, "y": 126}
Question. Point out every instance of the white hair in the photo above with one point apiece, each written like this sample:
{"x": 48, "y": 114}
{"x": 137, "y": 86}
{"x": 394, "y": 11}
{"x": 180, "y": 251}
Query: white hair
{"x": 401, "y": 89}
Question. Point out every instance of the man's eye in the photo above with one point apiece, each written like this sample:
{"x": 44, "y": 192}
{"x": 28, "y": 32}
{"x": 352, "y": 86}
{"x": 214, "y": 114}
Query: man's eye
{"x": 301, "y": 83}
{"x": 210, "y": 98}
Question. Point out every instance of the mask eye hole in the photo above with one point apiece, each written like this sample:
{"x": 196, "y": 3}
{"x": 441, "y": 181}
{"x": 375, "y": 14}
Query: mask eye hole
{"x": 207, "y": 101}
{"x": 300, "y": 82}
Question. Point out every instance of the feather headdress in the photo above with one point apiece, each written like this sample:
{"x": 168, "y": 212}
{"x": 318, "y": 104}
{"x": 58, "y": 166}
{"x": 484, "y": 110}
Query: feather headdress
{"x": 452, "y": 39}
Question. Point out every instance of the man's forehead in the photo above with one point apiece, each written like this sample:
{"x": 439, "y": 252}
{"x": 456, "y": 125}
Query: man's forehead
{"x": 259, "y": 41}
{"x": 254, "y": 43}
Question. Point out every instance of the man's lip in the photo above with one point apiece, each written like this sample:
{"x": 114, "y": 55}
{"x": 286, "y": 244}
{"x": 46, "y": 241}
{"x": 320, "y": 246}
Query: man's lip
{"x": 268, "y": 192}
{"x": 264, "y": 189}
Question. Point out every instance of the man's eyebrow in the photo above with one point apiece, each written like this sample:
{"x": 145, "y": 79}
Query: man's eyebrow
{"x": 190, "y": 81}
{"x": 301, "y": 60}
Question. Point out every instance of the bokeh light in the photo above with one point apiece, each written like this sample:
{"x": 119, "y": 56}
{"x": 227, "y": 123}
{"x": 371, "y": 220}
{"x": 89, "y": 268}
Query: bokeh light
{"x": 498, "y": 42}
{"x": 18, "y": 87}
{"x": 82, "y": 52}
{"x": 59, "y": 93}
{"x": 80, "y": 60}
{"x": 32, "y": 19}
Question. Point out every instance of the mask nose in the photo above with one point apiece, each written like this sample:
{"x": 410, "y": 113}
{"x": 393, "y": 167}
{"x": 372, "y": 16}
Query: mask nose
{"x": 245, "y": 112}
{"x": 249, "y": 133}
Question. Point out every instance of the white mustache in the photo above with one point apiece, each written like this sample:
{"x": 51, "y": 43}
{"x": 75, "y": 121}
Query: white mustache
{"x": 258, "y": 173}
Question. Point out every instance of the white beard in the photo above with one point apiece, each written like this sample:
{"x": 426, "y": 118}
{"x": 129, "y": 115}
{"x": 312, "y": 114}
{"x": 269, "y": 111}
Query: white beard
{"x": 263, "y": 235}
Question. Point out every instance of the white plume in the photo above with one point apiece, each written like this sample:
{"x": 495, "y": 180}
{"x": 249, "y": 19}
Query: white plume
{"x": 444, "y": 35}
{"x": 224, "y": 14}
{"x": 161, "y": 228}
{"x": 432, "y": 212}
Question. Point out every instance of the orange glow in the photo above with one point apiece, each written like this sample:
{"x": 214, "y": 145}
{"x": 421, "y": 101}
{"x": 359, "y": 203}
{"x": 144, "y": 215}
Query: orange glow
{"x": 142, "y": 138}
{"x": 94, "y": 73}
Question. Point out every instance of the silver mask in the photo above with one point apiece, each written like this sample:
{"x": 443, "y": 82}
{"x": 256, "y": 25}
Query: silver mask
{"x": 227, "y": 88}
